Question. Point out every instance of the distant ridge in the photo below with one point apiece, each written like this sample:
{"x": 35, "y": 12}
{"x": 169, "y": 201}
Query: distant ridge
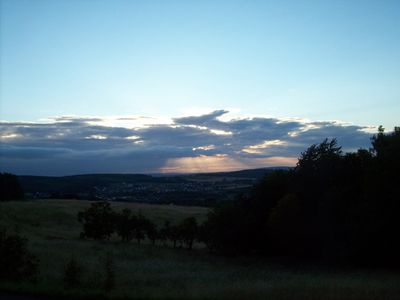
{"x": 246, "y": 173}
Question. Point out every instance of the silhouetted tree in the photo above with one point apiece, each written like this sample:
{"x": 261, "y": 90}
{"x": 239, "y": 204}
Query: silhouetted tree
{"x": 140, "y": 228}
{"x": 189, "y": 231}
{"x": 165, "y": 232}
{"x": 126, "y": 223}
{"x": 151, "y": 231}
{"x": 382, "y": 192}
{"x": 206, "y": 236}
{"x": 317, "y": 167}
{"x": 98, "y": 221}
{"x": 174, "y": 234}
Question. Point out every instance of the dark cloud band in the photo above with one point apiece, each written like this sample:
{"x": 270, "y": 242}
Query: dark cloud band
{"x": 71, "y": 145}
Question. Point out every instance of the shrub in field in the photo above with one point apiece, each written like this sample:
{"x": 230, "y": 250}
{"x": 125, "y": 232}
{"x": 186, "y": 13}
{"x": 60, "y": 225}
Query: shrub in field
{"x": 16, "y": 262}
{"x": 72, "y": 274}
{"x": 98, "y": 221}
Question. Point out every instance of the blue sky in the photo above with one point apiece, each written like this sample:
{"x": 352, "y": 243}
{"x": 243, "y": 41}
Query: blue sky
{"x": 314, "y": 60}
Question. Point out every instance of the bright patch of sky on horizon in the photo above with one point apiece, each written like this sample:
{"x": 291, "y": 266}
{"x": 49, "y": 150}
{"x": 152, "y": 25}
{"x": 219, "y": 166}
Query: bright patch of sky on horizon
{"x": 133, "y": 64}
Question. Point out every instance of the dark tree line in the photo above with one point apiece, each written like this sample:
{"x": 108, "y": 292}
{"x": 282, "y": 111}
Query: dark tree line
{"x": 332, "y": 205}
{"x": 100, "y": 221}
{"x": 10, "y": 189}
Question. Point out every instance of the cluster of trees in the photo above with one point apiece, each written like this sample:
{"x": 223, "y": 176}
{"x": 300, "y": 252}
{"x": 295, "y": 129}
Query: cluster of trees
{"x": 10, "y": 189}
{"x": 100, "y": 222}
{"x": 331, "y": 205}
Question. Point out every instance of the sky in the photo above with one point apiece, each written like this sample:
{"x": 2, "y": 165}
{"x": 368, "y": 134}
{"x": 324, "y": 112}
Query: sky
{"x": 103, "y": 86}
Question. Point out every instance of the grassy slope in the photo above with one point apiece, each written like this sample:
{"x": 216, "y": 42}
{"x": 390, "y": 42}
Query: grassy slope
{"x": 158, "y": 272}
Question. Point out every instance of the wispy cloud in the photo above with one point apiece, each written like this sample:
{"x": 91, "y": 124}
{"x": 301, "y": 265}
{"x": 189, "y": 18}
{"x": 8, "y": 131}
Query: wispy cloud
{"x": 209, "y": 142}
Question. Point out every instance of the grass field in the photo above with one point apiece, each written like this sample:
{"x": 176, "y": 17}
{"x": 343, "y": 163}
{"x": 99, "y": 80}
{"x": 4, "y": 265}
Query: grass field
{"x": 158, "y": 272}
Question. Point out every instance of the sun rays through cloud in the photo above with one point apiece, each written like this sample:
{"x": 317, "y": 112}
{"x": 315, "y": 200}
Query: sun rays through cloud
{"x": 203, "y": 164}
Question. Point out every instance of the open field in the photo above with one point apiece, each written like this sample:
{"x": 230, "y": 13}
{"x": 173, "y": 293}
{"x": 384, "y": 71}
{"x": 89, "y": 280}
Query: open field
{"x": 154, "y": 272}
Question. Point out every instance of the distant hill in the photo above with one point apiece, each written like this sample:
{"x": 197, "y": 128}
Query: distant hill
{"x": 247, "y": 173}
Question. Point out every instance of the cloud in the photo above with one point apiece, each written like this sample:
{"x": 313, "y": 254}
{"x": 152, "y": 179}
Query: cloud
{"x": 207, "y": 119}
{"x": 138, "y": 144}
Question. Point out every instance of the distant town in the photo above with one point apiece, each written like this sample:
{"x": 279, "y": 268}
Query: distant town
{"x": 198, "y": 189}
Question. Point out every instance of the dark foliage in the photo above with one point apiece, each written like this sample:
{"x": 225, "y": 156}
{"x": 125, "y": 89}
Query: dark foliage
{"x": 125, "y": 224}
{"x": 331, "y": 206}
{"x": 16, "y": 261}
{"x": 174, "y": 234}
{"x": 165, "y": 232}
{"x": 241, "y": 226}
{"x": 98, "y": 221}
{"x": 188, "y": 231}
{"x": 10, "y": 189}
{"x": 206, "y": 234}
{"x": 227, "y": 229}
{"x": 140, "y": 228}
{"x": 151, "y": 231}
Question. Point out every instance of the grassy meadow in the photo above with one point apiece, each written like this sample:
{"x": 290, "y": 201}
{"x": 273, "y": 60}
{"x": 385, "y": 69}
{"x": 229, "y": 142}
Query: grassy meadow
{"x": 158, "y": 272}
